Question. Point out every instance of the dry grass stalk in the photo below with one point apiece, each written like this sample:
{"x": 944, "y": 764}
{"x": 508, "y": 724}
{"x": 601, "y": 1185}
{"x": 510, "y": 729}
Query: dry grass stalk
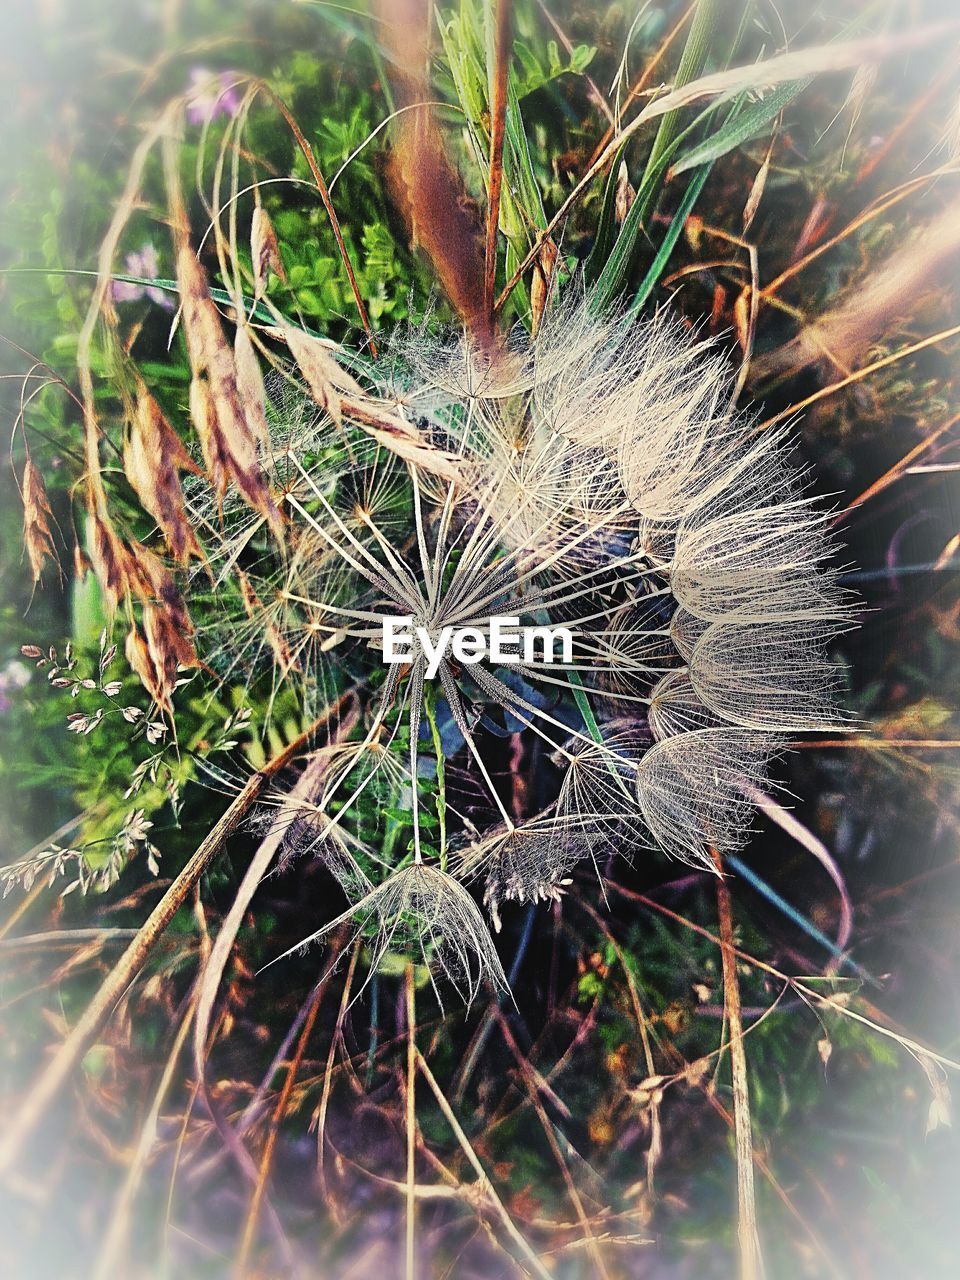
{"x": 484, "y": 1184}
{"x": 320, "y": 181}
{"x": 892, "y": 292}
{"x": 899, "y": 468}
{"x": 37, "y": 535}
{"x": 270, "y": 1144}
{"x": 860, "y": 374}
{"x": 153, "y": 457}
{"x": 834, "y": 1004}
{"x": 116, "y": 1235}
{"x": 751, "y": 1264}
{"x": 340, "y": 723}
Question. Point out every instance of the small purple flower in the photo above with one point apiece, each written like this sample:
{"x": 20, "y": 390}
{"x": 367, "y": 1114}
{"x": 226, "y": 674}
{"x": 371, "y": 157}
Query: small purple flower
{"x": 143, "y": 262}
{"x": 13, "y": 678}
{"x": 213, "y": 94}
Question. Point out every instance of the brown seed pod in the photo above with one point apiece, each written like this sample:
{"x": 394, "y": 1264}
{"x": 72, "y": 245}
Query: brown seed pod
{"x": 227, "y": 437}
{"x": 264, "y": 251}
{"x": 117, "y": 568}
{"x": 153, "y": 457}
{"x": 37, "y": 536}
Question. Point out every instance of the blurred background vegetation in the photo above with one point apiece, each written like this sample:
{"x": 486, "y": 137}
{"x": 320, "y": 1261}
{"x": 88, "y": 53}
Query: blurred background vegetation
{"x": 844, "y": 198}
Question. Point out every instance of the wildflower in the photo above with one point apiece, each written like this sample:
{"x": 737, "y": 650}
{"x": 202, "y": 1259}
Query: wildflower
{"x": 14, "y": 677}
{"x": 145, "y": 263}
{"x": 595, "y": 480}
{"x": 213, "y": 94}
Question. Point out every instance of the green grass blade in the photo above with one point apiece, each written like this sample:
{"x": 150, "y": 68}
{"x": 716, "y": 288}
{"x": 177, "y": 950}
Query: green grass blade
{"x": 736, "y": 131}
{"x": 652, "y": 277}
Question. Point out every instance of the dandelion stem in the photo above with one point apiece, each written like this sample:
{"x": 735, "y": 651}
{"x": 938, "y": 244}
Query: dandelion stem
{"x": 751, "y": 1266}
{"x": 411, "y": 1224}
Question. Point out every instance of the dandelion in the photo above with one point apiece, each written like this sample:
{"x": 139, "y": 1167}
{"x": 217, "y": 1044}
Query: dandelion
{"x": 595, "y": 479}
{"x": 423, "y": 907}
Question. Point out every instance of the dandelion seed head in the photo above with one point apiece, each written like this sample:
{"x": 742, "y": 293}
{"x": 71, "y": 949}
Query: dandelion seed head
{"x": 603, "y": 482}
{"x": 528, "y": 863}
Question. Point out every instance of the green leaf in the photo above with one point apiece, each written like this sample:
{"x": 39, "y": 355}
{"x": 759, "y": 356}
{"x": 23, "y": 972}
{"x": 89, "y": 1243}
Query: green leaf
{"x": 670, "y": 239}
{"x": 606, "y": 224}
{"x": 740, "y": 129}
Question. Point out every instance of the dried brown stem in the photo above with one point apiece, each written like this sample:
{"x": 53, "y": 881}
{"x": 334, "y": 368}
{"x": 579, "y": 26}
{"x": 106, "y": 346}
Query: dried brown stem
{"x": 751, "y": 1265}
{"x": 318, "y": 178}
{"x": 484, "y": 1183}
{"x": 893, "y": 473}
{"x": 269, "y": 1146}
{"x": 810, "y": 993}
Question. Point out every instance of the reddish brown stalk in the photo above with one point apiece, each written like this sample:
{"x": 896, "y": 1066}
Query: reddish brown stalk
{"x": 498, "y": 121}
{"x": 893, "y": 473}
